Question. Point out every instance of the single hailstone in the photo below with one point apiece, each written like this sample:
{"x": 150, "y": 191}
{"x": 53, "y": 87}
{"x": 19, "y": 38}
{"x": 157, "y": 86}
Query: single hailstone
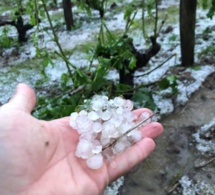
{"x": 95, "y": 161}
{"x": 116, "y": 120}
{"x": 107, "y": 128}
{"x": 119, "y": 147}
{"x": 84, "y": 149}
{"x": 97, "y": 127}
{"x": 118, "y": 101}
{"x": 105, "y": 115}
{"x": 129, "y": 116}
{"x": 83, "y": 123}
{"x": 113, "y": 132}
{"x": 99, "y": 102}
{"x": 83, "y": 112}
{"x": 128, "y": 105}
{"x": 125, "y": 127}
{"x": 93, "y": 116}
{"x": 119, "y": 110}
{"x": 135, "y": 135}
{"x": 72, "y": 121}
{"x": 145, "y": 116}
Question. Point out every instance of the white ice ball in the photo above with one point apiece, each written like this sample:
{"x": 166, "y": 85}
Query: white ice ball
{"x": 99, "y": 102}
{"x": 84, "y": 149}
{"x": 97, "y": 127}
{"x": 83, "y": 123}
{"x": 119, "y": 147}
{"x": 116, "y": 120}
{"x": 95, "y": 161}
{"x": 72, "y": 121}
{"x": 135, "y": 135}
{"x": 129, "y": 116}
{"x": 128, "y": 105}
{"x": 145, "y": 116}
{"x": 118, "y": 101}
{"x": 93, "y": 116}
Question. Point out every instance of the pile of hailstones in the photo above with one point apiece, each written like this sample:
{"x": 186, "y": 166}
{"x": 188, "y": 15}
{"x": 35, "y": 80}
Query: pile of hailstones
{"x": 107, "y": 127}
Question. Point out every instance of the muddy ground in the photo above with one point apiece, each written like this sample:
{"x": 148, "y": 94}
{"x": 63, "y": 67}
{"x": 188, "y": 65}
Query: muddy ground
{"x": 176, "y": 154}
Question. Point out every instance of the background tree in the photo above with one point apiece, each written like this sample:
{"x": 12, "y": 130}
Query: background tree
{"x": 97, "y": 5}
{"x": 68, "y": 16}
{"x": 187, "y": 31}
{"x": 19, "y": 24}
{"x": 55, "y": 2}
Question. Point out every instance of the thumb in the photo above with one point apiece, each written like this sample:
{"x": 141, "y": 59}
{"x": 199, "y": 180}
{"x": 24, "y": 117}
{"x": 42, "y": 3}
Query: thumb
{"x": 23, "y": 99}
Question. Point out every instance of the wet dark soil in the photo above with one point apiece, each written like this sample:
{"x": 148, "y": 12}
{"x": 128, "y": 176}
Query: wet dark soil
{"x": 176, "y": 154}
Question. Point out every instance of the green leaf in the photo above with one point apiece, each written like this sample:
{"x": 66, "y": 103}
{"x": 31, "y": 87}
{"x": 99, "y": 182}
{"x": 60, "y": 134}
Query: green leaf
{"x": 129, "y": 10}
{"x": 45, "y": 62}
{"x": 164, "y": 83}
{"x": 150, "y": 6}
{"x": 205, "y": 4}
{"x": 80, "y": 78}
{"x": 169, "y": 81}
{"x": 211, "y": 11}
{"x": 122, "y": 88}
{"x": 100, "y": 74}
{"x": 144, "y": 99}
{"x": 132, "y": 63}
{"x": 171, "y": 78}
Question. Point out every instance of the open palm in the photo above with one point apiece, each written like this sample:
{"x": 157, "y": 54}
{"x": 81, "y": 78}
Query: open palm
{"x": 38, "y": 157}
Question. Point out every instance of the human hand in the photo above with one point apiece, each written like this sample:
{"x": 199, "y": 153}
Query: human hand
{"x": 38, "y": 157}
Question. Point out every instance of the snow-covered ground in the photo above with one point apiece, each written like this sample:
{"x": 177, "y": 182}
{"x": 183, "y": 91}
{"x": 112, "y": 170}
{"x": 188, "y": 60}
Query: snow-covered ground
{"x": 206, "y": 131}
{"x": 86, "y": 33}
{"x": 192, "y": 188}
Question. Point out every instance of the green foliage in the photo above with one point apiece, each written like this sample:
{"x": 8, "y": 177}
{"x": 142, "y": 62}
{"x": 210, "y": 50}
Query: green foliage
{"x": 144, "y": 98}
{"x": 5, "y": 40}
{"x": 98, "y": 78}
{"x": 57, "y": 106}
{"x": 211, "y": 11}
{"x": 210, "y": 6}
{"x": 122, "y": 89}
{"x": 204, "y": 4}
{"x": 130, "y": 9}
{"x": 150, "y": 5}
{"x": 80, "y": 77}
{"x": 169, "y": 81}
{"x": 113, "y": 52}
{"x": 83, "y": 6}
